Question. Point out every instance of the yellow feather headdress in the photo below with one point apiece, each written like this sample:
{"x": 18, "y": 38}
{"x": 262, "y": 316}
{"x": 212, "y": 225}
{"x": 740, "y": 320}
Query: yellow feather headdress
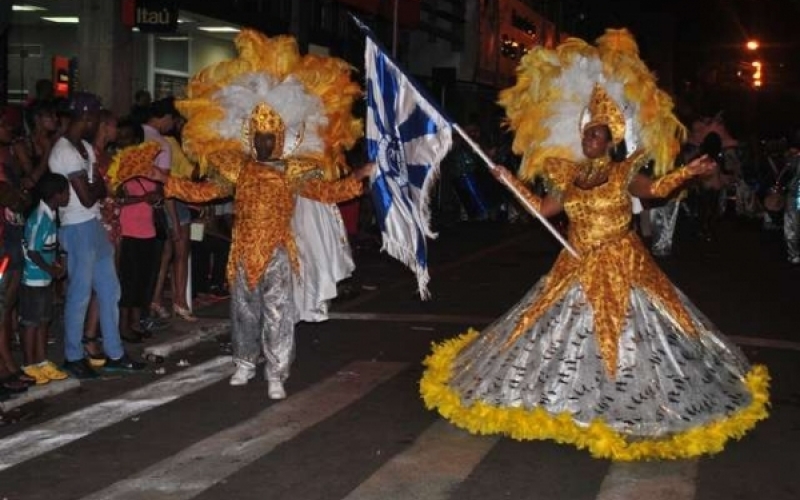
{"x": 313, "y": 95}
{"x": 554, "y": 87}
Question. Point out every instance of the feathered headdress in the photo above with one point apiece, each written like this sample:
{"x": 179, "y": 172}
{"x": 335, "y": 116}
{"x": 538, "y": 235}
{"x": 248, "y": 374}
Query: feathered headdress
{"x": 547, "y": 107}
{"x": 312, "y": 97}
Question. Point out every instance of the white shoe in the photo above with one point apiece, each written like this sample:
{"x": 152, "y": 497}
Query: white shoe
{"x": 244, "y": 373}
{"x": 276, "y": 390}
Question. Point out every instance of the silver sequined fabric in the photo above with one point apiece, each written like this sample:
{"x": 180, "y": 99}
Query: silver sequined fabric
{"x": 263, "y": 318}
{"x": 791, "y": 215}
{"x": 666, "y": 382}
{"x": 663, "y": 220}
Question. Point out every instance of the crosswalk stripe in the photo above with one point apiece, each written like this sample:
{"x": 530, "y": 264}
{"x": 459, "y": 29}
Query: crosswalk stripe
{"x": 73, "y": 426}
{"x": 207, "y": 462}
{"x": 412, "y": 318}
{"x": 651, "y": 480}
{"x": 479, "y": 321}
{"x": 441, "y": 458}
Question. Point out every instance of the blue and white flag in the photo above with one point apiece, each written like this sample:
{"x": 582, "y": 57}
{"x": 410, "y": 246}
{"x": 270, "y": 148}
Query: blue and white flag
{"x": 407, "y": 137}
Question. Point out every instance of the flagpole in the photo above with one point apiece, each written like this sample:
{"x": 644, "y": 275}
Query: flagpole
{"x": 530, "y": 208}
{"x": 394, "y": 27}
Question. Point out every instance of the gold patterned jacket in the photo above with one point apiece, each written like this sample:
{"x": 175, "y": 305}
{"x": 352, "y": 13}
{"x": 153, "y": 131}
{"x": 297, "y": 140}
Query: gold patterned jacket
{"x": 264, "y": 200}
{"x": 612, "y": 257}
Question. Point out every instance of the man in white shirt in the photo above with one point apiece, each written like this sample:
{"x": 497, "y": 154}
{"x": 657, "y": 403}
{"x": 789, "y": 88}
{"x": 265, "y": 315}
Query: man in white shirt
{"x": 90, "y": 256}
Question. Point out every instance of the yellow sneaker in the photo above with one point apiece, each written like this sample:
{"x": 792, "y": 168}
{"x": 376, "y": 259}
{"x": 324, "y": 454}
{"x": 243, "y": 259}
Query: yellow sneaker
{"x": 36, "y": 372}
{"x": 52, "y": 372}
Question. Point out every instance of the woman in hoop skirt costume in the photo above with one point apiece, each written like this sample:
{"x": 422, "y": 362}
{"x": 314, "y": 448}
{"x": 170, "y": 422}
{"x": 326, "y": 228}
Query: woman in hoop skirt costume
{"x": 603, "y": 353}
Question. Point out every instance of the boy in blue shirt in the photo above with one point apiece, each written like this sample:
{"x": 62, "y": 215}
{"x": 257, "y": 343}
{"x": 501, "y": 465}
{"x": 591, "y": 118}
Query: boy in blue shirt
{"x": 41, "y": 268}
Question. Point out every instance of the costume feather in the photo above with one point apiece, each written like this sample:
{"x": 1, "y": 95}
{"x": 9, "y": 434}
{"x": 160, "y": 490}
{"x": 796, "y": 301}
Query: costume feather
{"x": 546, "y": 105}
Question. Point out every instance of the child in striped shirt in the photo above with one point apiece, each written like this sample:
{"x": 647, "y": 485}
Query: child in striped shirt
{"x": 41, "y": 269}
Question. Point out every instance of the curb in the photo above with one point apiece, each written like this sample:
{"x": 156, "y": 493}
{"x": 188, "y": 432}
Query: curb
{"x": 40, "y": 392}
{"x": 157, "y": 352}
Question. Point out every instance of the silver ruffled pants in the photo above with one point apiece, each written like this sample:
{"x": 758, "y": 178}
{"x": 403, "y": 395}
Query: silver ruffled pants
{"x": 263, "y": 318}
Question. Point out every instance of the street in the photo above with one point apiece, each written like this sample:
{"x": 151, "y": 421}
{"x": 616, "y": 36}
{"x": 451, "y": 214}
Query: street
{"x": 354, "y": 426}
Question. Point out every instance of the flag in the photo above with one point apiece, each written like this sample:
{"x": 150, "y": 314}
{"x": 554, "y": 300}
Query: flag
{"x": 407, "y": 137}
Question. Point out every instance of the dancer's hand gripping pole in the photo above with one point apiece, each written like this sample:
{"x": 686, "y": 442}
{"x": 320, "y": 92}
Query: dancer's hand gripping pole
{"x": 516, "y": 192}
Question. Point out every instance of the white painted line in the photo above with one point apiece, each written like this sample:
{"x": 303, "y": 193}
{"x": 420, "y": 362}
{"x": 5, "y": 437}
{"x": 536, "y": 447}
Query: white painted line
{"x": 440, "y": 459}
{"x": 208, "y": 462}
{"x": 479, "y": 321}
{"x": 36, "y": 392}
{"x": 179, "y": 343}
{"x": 412, "y": 318}
{"x": 663, "y": 480}
{"x": 73, "y": 426}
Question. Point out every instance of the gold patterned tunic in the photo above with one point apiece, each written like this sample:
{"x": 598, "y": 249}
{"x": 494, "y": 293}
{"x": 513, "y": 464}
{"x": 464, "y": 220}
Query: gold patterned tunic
{"x": 603, "y": 352}
{"x": 264, "y": 200}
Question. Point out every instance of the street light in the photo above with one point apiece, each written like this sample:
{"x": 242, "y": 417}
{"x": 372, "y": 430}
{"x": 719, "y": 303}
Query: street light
{"x": 752, "y": 45}
{"x": 757, "y": 74}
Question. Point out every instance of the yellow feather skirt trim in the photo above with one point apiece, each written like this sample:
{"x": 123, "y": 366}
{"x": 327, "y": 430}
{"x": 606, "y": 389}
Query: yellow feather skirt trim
{"x": 598, "y": 437}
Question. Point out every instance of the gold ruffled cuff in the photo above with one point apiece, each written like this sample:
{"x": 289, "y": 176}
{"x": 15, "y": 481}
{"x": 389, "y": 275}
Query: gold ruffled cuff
{"x": 666, "y": 184}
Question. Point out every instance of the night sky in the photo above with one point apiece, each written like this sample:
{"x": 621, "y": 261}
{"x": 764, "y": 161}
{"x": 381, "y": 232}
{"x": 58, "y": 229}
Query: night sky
{"x": 703, "y": 28}
{"x": 681, "y": 39}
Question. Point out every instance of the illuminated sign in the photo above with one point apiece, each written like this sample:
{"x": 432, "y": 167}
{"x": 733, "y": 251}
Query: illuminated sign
{"x": 151, "y": 16}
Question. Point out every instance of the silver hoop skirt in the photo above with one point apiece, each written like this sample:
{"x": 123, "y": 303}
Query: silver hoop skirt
{"x": 673, "y": 395}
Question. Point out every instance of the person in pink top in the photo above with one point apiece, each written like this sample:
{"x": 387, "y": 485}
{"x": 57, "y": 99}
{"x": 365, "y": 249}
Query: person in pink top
{"x": 139, "y": 253}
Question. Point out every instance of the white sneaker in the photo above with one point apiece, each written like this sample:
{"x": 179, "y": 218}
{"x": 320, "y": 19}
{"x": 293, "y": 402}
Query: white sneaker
{"x": 276, "y": 390}
{"x": 244, "y": 372}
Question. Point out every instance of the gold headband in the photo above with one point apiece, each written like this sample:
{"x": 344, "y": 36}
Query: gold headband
{"x": 604, "y": 111}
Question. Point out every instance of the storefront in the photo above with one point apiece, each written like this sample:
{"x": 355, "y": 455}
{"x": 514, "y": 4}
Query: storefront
{"x": 53, "y": 40}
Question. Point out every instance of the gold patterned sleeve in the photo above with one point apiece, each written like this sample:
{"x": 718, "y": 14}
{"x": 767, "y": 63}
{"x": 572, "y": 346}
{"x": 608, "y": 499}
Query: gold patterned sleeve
{"x": 664, "y": 185}
{"x": 535, "y": 201}
{"x": 331, "y": 192}
{"x": 195, "y": 192}
{"x": 228, "y": 163}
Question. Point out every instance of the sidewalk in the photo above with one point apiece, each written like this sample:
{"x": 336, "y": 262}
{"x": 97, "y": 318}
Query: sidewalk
{"x": 178, "y": 335}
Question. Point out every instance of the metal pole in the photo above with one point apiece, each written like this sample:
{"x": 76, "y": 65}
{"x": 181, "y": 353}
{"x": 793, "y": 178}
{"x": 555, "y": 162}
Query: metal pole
{"x": 394, "y": 28}
{"x": 515, "y": 192}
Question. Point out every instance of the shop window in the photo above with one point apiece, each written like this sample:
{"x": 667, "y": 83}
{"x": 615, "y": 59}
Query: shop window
{"x": 171, "y": 54}
{"x": 169, "y": 85}
{"x": 24, "y": 50}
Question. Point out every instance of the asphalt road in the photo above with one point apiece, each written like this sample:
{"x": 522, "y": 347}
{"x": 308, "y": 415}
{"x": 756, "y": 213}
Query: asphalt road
{"x": 354, "y": 426}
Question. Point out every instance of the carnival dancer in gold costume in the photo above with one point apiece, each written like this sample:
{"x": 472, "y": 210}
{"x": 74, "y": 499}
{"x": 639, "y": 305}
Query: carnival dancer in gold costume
{"x": 269, "y": 126}
{"x": 603, "y": 352}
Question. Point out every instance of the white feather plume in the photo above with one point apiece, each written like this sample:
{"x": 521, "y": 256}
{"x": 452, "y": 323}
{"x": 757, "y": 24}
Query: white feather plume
{"x": 576, "y": 82}
{"x": 288, "y": 98}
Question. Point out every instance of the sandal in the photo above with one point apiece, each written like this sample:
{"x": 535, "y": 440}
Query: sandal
{"x": 24, "y": 377}
{"x": 184, "y": 313}
{"x": 159, "y": 311}
{"x": 13, "y": 385}
{"x": 93, "y": 350}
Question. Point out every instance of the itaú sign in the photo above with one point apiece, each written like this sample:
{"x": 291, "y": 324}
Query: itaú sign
{"x": 151, "y": 16}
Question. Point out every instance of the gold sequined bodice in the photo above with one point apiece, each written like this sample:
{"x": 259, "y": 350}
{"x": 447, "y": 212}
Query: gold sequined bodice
{"x": 600, "y": 215}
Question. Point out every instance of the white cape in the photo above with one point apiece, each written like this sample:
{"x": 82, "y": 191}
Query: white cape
{"x": 325, "y": 257}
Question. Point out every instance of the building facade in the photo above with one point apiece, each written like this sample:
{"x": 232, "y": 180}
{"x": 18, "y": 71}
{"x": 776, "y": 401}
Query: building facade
{"x": 464, "y": 51}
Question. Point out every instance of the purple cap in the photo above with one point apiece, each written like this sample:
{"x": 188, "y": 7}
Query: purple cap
{"x": 84, "y": 102}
